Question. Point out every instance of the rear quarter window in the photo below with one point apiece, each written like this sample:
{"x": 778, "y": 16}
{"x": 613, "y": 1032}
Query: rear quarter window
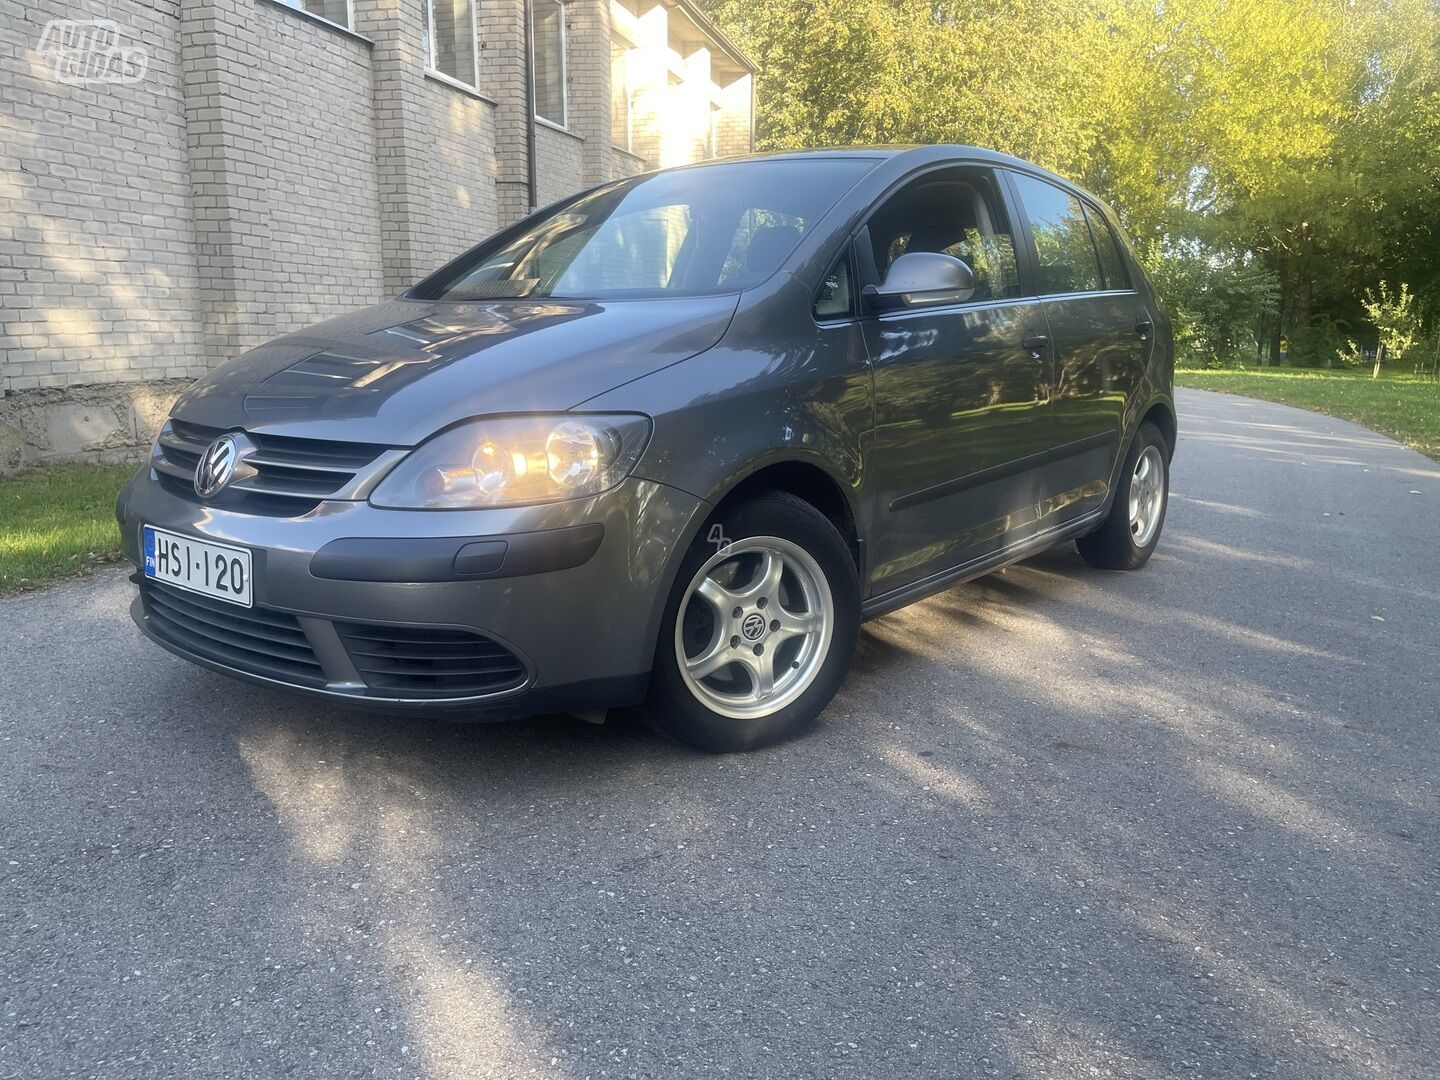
{"x": 1112, "y": 263}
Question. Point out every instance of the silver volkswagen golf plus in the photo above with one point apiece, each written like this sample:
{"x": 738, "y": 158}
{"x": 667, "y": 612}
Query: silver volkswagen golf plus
{"x": 668, "y": 441}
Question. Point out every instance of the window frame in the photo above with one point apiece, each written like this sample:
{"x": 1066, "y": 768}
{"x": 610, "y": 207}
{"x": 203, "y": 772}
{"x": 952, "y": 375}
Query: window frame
{"x": 431, "y": 67}
{"x": 846, "y": 256}
{"x": 1092, "y": 213}
{"x": 1089, "y": 205}
{"x": 563, "y": 124}
{"x": 348, "y": 24}
{"x": 863, "y": 264}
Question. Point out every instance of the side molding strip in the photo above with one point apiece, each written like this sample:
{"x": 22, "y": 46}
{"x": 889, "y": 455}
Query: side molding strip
{"x": 897, "y": 598}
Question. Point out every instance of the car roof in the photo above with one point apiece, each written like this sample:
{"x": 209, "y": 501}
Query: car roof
{"x": 915, "y": 155}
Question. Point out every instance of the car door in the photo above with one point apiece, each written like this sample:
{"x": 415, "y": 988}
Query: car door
{"x": 961, "y": 390}
{"x": 1100, "y": 332}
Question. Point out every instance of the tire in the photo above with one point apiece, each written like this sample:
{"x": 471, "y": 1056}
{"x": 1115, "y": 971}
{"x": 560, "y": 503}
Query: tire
{"x": 800, "y": 622}
{"x": 1127, "y": 538}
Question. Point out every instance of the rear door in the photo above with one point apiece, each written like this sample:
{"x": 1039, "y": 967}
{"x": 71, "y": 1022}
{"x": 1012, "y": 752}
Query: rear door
{"x": 960, "y": 400}
{"x": 1099, "y": 330}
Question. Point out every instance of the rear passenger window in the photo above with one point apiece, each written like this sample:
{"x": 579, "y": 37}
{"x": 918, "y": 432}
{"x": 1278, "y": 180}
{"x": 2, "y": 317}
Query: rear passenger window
{"x": 1062, "y": 238}
{"x": 1112, "y": 263}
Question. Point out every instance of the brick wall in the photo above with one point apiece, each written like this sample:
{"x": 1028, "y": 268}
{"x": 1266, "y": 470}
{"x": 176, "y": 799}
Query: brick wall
{"x": 435, "y": 150}
{"x": 313, "y": 232}
{"x": 98, "y": 262}
{"x": 560, "y": 156}
{"x": 268, "y": 171}
{"x": 453, "y": 197}
{"x": 734, "y": 121}
{"x": 502, "y": 77}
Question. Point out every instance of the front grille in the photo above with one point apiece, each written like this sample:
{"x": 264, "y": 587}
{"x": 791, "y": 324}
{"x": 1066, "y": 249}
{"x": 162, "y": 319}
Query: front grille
{"x": 293, "y": 475}
{"x": 416, "y": 662}
{"x": 257, "y": 640}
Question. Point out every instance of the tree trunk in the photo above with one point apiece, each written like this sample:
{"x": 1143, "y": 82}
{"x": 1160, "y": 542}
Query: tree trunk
{"x": 1379, "y": 359}
{"x": 1303, "y": 290}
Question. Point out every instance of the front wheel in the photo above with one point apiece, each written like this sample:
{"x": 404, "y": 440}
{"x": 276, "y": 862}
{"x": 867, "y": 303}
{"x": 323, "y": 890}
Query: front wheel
{"x": 1128, "y": 537}
{"x": 759, "y": 629}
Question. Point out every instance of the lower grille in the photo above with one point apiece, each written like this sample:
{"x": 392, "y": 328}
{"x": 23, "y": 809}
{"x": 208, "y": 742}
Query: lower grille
{"x": 255, "y": 640}
{"x": 393, "y": 661}
{"x": 418, "y": 662}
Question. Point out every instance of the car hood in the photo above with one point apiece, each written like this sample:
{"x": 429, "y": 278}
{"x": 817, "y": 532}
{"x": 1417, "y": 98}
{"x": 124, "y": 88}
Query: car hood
{"x": 400, "y": 371}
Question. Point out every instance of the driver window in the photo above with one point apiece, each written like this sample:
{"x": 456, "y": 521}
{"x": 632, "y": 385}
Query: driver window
{"x": 955, "y": 213}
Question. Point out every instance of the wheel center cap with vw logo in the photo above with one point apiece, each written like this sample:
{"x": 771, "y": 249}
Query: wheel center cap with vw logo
{"x": 753, "y": 627}
{"x": 219, "y": 463}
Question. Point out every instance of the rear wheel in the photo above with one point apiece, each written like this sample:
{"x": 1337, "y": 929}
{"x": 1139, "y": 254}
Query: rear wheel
{"x": 759, "y": 629}
{"x": 1128, "y": 537}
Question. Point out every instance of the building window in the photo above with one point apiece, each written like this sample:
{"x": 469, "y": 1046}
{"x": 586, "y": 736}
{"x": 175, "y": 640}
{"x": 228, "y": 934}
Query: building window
{"x": 450, "y": 40}
{"x": 335, "y": 11}
{"x": 549, "y": 61}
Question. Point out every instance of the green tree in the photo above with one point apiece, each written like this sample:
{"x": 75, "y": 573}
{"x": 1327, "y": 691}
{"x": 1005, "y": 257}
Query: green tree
{"x": 1217, "y": 300}
{"x": 1396, "y": 315}
{"x": 1297, "y": 139}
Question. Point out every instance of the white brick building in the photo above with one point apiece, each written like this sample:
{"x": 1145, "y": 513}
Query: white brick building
{"x": 263, "y": 164}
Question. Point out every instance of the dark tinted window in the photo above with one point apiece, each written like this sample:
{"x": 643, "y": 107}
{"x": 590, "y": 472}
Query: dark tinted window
{"x": 956, "y": 214}
{"x": 833, "y": 300}
{"x": 1062, "y": 239}
{"x": 1112, "y": 263}
{"x": 716, "y": 228}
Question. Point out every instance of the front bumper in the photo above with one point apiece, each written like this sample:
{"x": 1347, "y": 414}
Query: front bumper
{"x": 576, "y": 600}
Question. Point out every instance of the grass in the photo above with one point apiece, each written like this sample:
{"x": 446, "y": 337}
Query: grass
{"x": 1405, "y": 407}
{"x": 58, "y": 522}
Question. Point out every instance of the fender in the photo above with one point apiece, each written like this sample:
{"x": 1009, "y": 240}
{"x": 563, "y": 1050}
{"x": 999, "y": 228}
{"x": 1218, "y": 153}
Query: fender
{"x": 704, "y": 512}
{"x": 843, "y": 467}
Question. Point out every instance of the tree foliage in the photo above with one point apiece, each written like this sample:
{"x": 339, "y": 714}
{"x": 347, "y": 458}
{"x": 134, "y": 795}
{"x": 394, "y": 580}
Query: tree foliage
{"x": 1217, "y": 300}
{"x": 1396, "y": 315}
{"x": 1300, "y": 138}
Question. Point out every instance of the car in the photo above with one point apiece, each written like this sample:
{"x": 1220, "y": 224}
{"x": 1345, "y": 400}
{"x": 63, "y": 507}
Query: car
{"x": 668, "y": 441}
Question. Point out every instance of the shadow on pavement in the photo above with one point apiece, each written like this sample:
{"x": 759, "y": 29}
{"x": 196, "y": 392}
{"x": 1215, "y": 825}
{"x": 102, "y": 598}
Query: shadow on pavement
{"x": 1059, "y": 823}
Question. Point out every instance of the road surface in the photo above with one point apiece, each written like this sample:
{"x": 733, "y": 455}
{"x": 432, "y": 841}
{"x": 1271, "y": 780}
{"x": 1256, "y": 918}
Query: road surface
{"x": 1060, "y": 823}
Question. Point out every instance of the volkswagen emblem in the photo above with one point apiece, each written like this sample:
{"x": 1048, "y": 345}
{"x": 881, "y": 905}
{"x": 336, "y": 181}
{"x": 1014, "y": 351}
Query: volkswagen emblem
{"x": 753, "y": 627}
{"x": 217, "y": 466}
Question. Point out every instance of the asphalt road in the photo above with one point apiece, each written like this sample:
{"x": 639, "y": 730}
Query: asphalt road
{"x": 1060, "y": 823}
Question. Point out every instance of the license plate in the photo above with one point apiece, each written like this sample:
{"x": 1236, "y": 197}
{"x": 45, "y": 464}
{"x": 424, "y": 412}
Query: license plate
{"x": 198, "y": 566}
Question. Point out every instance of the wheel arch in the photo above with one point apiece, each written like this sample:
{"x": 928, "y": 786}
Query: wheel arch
{"x": 803, "y": 476}
{"x": 1162, "y": 415}
{"x": 806, "y": 479}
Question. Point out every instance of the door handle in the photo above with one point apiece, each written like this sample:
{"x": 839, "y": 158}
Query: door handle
{"x": 1143, "y": 326}
{"x": 1035, "y": 345}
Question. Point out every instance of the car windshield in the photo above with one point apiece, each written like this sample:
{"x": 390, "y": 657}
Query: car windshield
{"x": 712, "y": 229}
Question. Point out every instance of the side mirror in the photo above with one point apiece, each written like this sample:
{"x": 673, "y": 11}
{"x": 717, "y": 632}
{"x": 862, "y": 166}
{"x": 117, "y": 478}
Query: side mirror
{"x": 921, "y": 279}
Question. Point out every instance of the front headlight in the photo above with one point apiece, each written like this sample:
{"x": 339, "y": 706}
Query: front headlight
{"x": 514, "y": 461}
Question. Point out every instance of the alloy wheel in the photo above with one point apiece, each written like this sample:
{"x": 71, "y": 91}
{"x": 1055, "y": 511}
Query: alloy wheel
{"x": 754, "y": 627}
{"x": 1147, "y": 495}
